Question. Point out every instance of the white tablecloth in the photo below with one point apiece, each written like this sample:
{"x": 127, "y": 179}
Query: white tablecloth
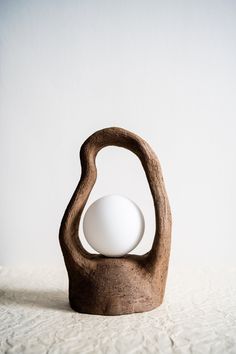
{"x": 197, "y": 316}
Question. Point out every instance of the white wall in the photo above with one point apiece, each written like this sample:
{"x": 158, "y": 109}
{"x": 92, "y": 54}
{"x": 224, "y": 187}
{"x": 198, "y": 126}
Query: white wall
{"x": 163, "y": 69}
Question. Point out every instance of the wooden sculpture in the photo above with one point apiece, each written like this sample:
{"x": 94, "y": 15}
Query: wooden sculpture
{"x": 115, "y": 286}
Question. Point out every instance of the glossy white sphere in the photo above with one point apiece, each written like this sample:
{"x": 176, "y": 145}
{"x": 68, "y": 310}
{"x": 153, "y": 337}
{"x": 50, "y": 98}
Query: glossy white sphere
{"x": 113, "y": 225}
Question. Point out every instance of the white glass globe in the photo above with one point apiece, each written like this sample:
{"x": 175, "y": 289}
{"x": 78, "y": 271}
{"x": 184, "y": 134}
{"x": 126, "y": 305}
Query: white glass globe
{"x": 113, "y": 225}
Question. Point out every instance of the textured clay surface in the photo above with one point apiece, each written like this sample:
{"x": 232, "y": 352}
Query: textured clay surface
{"x": 115, "y": 286}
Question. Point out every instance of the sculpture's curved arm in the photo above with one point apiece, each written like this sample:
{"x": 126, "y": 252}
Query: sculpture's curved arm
{"x": 70, "y": 223}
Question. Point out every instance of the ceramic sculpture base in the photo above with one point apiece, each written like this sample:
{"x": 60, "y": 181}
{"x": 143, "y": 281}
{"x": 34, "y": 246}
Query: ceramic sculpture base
{"x": 115, "y": 286}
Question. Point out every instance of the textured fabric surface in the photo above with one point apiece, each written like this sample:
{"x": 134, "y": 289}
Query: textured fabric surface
{"x": 198, "y": 316}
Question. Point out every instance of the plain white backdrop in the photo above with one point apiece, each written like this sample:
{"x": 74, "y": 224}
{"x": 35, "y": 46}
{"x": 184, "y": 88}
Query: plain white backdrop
{"x": 163, "y": 69}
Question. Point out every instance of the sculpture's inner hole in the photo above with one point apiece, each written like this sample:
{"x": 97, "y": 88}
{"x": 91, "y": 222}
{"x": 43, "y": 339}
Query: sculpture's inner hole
{"x": 119, "y": 171}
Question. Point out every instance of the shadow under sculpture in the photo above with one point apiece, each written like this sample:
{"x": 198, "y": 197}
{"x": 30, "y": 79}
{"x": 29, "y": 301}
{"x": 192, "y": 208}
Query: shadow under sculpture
{"x": 115, "y": 286}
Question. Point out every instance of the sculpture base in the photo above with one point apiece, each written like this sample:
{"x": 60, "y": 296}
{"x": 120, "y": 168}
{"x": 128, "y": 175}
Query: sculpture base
{"x": 115, "y": 287}
{"x": 111, "y": 309}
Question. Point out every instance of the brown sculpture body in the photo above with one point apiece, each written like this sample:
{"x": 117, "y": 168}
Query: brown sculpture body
{"x": 115, "y": 286}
